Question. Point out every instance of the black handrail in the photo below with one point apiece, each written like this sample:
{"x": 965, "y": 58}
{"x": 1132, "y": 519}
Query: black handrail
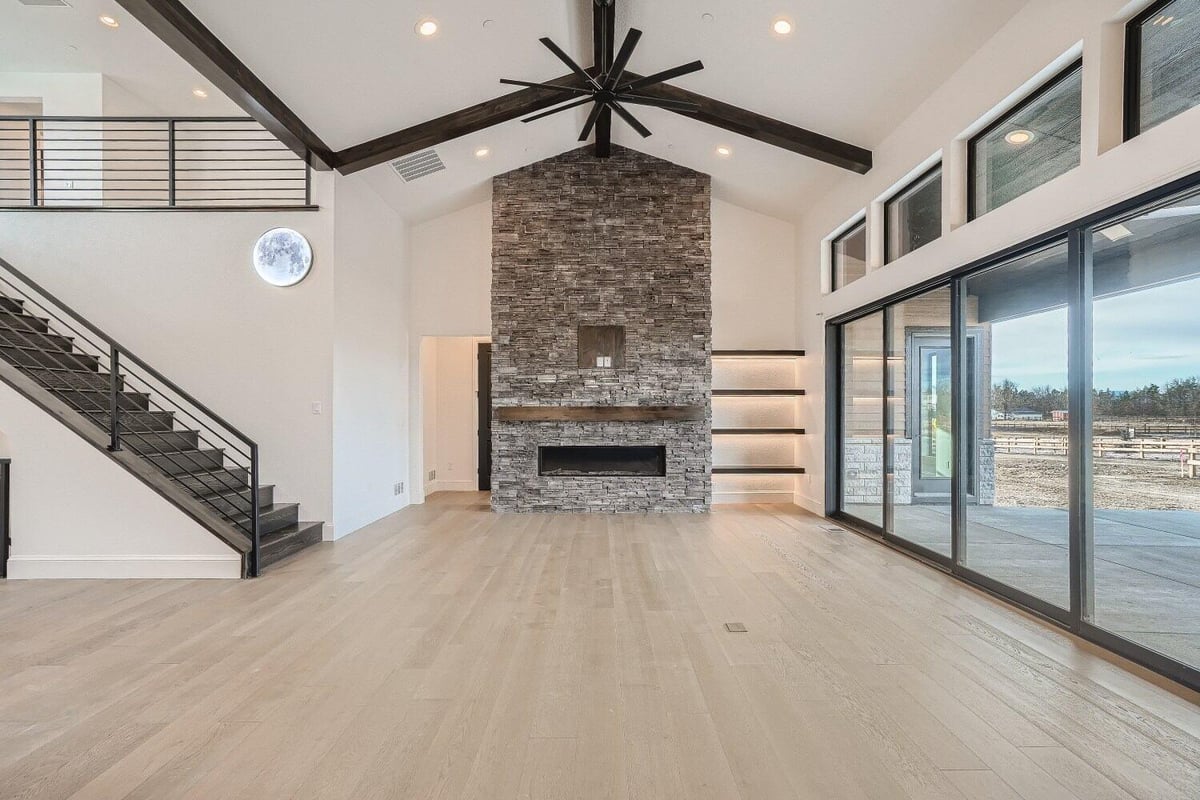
{"x": 153, "y": 162}
{"x": 5, "y": 516}
{"x": 119, "y": 357}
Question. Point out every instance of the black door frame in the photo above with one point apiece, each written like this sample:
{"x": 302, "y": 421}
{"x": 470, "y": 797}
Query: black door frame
{"x": 483, "y": 394}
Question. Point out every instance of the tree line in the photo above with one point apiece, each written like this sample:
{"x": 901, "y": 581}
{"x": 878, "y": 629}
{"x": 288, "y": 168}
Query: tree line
{"x": 1179, "y": 398}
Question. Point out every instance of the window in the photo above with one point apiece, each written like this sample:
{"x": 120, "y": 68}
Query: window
{"x": 920, "y": 448}
{"x": 850, "y": 256}
{"x": 1034, "y": 143}
{"x": 862, "y": 419}
{"x": 1018, "y": 507}
{"x": 913, "y": 217}
{"x": 1145, "y": 471}
{"x": 1161, "y": 53}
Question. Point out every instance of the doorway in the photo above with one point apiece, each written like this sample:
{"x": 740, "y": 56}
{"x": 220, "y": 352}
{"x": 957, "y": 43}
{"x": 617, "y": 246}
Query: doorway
{"x": 484, "y": 395}
{"x": 930, "y": 427}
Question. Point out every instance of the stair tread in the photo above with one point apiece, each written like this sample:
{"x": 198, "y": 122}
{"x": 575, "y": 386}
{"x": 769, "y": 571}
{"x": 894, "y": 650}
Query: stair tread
{"x": 273, "y": 508}
{"x": 295, "y": 529}
{"x": 237, "y": 492}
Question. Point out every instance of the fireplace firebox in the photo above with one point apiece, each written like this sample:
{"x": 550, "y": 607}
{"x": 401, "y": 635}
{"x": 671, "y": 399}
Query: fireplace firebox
{"x": 577, "y": 461}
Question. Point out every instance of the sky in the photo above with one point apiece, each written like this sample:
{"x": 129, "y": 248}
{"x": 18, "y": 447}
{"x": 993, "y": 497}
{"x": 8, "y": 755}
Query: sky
{"x": 1144, "y": 337}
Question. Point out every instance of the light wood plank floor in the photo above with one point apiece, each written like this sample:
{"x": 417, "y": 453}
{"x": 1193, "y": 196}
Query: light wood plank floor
{"x": 448, "y": 652}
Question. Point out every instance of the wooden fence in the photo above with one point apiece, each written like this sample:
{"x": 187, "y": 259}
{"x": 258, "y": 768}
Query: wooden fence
{"x": 1187, "y": 450}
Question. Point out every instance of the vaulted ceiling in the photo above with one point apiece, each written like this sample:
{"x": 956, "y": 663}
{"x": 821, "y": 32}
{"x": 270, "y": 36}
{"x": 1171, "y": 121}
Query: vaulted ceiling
{"x": 354, "y": 70}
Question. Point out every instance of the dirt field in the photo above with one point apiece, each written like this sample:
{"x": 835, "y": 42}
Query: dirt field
{"x": 1041, "y": 482}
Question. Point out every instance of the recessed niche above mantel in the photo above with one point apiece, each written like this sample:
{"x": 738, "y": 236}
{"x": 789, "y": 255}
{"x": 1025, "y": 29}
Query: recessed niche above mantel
{"x": 601, "y": 346}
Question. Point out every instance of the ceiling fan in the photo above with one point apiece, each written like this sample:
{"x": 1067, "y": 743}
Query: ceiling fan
{"x": 607, "y": 86}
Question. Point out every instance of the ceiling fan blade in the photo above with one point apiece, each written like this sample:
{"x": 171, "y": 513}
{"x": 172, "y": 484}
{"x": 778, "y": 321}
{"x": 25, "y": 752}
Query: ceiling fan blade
{"x": 551, "y": 86}
{"x": 566, "y": 59}
{"x": 568, "y": 106}
{"x": 659, "y": 102}
{"x": 633, "y": 123}
{"x": 622, "y": 60}
{"x": 591, "y": 122}
{"x": 665, "y": 75}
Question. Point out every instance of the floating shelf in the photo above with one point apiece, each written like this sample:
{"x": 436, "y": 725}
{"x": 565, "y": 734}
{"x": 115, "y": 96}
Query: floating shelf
{"x": 758, "y": 353}
{"x": 758, "y": 431}
{"x": 758, "y": 392}
{"x": 763, "y": 470}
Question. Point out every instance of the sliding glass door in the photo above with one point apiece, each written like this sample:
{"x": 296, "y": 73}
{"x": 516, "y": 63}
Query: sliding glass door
{"x": 1145, "y": 477}
{"x": 1034, "y": 426}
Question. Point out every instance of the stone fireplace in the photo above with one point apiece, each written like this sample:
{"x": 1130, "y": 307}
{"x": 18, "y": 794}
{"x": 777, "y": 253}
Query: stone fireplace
{"x": 601, "y": 336}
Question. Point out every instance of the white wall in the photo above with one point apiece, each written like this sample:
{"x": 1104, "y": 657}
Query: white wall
{"x": 77, "y": 514}
{"x": 452, "y": 273}
{"x": 62, "y": 94}
{"x": 370, "y": 358}
{"x": 754, "y": 280}
{"x": 1040, "y": 38}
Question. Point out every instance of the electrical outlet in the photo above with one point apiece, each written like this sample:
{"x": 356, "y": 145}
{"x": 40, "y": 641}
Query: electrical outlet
{"x": 433, "y": 474}
{"x": 399, "y": 488}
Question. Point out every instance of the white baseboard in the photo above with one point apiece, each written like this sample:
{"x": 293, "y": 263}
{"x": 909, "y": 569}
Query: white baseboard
{"x": 809, "y": 504}
{"x": 759, "y": 496}
{"x": 449, "y": 486}
{"x": 140, "y": 567}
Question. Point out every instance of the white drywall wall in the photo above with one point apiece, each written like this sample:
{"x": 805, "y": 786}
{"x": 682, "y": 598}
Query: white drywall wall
{"x": 62, "y": 94}
{"x": 1038, "y": 39}
{"x": 452, "y": 273}
{"x": 370, "y": 375}
{"x": 753, "y": 280}
{"x": 454, "y": 426}
{"x": 75, "y": 513}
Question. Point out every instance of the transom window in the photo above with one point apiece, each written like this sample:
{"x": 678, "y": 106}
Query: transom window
{"x": 850, "y": 255}
{"x": 1034, "y": 143}
{"x": 1161, "y": 55}
{"x": 913, "y": 218}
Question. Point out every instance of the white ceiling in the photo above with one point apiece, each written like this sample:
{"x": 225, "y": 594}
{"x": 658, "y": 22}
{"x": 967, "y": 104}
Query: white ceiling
{"x": 72, "y": 40}
{"x": 355, "y": 69}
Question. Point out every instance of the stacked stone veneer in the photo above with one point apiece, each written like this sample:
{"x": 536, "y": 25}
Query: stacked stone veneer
{"x": 862, "y": 465}
{"x": 578, "y": 240}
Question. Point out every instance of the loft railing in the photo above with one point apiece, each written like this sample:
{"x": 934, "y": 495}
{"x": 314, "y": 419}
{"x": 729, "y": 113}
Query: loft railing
{"x": 218, "y": 470}
{"x": 147, "y": 163}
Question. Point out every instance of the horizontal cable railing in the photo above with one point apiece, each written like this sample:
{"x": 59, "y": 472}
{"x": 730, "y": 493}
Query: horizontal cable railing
{"x": 141, "y": 410}
{"x": 147, "y": 162}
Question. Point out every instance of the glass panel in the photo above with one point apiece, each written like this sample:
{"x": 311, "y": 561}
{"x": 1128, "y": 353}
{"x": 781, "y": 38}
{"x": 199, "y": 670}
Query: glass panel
{"x": 914, "y": 217}
{"x": 1168, "y": 79}
{"x": 862, "y": 418}
{"x": 1037, "y": 142}
{"x": 850, "y": 255}
{"x": 919, "y": 419}
{"x": 1018, "y": 505}
{"x": 1146, "y": 429}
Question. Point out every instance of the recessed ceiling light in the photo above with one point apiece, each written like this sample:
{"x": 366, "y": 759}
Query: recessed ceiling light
{"x": 724, "y": 152}
{"x": 1019, "y": 137}
{"x": 111, "y": 22}
{"x": 707, "y": 17}
{"x": 203, "y": 95}
{"x": 483, "y": 152}
{"x": 1115, "y": 233}
{"x": 782, "y": 26}
{"x": 427, "y": 27}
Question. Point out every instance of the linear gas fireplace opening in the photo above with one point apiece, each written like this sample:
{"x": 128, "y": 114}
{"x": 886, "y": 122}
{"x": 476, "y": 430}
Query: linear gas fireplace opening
{"x": 603, "y": 461}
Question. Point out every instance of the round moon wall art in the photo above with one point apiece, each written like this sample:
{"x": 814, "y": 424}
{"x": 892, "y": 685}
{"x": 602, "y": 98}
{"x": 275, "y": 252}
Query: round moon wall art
{"x": 282, "y": 257}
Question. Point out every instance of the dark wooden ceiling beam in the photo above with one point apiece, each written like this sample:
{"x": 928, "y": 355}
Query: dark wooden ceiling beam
{"x": 451, "y": 126}
{"x": 764, "y": 129}
{"x": 604, "y": 34}
{"x": 171, "y": 22}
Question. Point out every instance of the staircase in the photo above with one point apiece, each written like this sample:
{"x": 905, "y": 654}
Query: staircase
{"x": 181, "y": 449}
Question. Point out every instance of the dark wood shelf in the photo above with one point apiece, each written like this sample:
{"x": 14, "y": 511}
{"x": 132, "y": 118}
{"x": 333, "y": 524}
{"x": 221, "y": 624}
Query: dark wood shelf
{"x": 763, "y": 470}
{"x": 758, "y": 392}
{"x": 758, "y": 353}
{"x": 600, "y": 414}
{"x": 758, "y": 431}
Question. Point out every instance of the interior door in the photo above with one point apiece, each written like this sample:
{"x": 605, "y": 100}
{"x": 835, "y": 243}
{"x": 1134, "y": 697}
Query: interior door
{"x": 484, "y": 394}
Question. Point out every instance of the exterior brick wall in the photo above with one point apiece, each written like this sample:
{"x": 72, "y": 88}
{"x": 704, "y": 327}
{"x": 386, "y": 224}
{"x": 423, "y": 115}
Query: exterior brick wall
{"x": 625, "y": 241}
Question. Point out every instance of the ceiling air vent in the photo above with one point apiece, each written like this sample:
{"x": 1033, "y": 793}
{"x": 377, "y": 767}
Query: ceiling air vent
{"x": 56, "y": 3}
{"x": 418, "y": 165}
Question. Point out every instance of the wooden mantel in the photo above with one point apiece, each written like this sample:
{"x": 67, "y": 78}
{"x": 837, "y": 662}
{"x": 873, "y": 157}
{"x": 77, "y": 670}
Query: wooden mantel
{"x": 600, "y": 414}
